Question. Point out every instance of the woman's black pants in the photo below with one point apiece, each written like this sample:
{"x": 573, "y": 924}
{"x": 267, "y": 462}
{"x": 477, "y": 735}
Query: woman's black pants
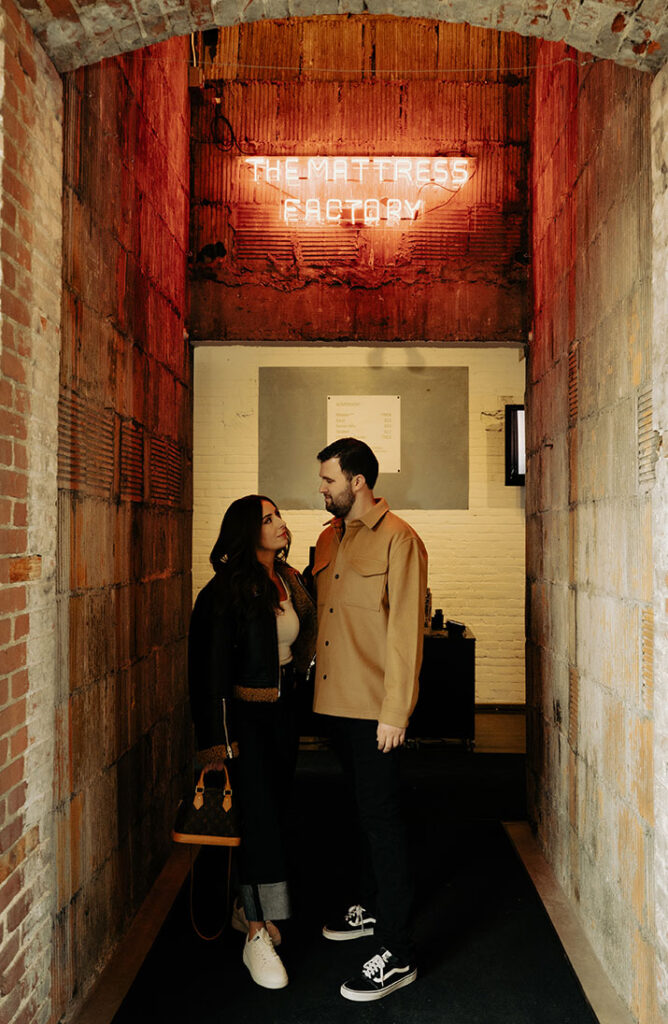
{"x": 264, "y": 772}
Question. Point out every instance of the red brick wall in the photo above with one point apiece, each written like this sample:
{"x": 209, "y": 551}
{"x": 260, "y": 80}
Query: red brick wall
{"x": 31, "y": 126}
{"x": 124, "y": 475}
{"x": 589, "y": 481}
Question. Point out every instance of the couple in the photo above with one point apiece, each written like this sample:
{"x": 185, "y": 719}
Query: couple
{"x": 253, "y": 629}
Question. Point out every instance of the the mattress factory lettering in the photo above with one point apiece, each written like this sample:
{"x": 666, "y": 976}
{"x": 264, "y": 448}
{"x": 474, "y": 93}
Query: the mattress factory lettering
{"x": 367, "y": 190}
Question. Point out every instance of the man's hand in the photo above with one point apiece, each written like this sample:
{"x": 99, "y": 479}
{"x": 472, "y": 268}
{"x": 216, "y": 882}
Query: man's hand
{"x": 389, "y": 737}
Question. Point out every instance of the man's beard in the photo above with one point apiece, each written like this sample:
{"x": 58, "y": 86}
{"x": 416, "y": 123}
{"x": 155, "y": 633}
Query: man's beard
{"x": 343, "y": 504}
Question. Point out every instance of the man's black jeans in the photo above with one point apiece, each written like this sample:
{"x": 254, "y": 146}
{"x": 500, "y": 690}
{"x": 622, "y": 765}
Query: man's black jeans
{"x": 385, "y": 886}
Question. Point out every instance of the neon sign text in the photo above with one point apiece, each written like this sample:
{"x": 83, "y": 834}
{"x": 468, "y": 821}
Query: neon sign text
{"x": 349, "y": 211}
{"x": 450, "y": 172}
{"x": 362, "y": 191}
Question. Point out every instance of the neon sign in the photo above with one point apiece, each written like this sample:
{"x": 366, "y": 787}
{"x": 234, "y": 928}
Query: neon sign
{"x": 357, "y": 190}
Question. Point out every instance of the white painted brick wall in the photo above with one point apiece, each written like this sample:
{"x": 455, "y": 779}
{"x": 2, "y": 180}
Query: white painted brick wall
{"x": 476, "y": 556}
{"x": 660, "y": 523}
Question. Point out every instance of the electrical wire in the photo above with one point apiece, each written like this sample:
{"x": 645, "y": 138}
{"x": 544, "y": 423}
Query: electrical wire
{"x": 368, "y": 72}
{"x": 371, "y": 72}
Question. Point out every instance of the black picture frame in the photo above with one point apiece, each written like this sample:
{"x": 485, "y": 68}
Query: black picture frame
{"x": 515, "y": 446}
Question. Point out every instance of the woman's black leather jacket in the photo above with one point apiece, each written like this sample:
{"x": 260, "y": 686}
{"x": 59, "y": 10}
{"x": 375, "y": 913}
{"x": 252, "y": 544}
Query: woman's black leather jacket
{"x": 232, "y": 655}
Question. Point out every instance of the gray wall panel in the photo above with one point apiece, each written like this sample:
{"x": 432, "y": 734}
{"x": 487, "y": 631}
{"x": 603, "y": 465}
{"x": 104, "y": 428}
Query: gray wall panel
{"x": 434, "y": 432}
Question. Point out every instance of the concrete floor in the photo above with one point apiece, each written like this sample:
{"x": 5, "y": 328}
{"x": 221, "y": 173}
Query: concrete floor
{"x": 495, "y": 732}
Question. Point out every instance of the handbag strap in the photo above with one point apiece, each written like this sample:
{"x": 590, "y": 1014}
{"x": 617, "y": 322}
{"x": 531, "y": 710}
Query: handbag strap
{"x": 198, "y": 799}
{"x": 209, "y": 938}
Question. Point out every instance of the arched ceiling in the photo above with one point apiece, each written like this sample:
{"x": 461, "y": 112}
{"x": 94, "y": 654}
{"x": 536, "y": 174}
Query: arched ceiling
{"x": 76, "y": 32}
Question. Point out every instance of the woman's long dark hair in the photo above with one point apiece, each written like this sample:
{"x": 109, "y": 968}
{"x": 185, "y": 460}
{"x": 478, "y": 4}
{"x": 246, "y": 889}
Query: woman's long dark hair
{"x": 234, "y": 557}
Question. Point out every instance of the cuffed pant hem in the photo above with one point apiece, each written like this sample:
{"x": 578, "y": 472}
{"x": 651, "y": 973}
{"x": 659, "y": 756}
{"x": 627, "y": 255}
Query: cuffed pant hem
{"x": 267, "y": 901}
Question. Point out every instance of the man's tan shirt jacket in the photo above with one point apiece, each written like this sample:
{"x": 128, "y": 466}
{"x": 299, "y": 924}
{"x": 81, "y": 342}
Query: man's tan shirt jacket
{"x": 371, "y": 585}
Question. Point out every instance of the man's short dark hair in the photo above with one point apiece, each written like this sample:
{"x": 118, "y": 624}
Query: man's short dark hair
{"x": 355, "y": 457}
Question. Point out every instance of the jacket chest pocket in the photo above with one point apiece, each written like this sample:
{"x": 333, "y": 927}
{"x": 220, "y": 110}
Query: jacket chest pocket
{"x": 364, "y": 583}
{"x": 319, "y": 580}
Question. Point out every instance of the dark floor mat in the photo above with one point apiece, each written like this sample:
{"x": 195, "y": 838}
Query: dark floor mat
{"x": 487, "y": 951}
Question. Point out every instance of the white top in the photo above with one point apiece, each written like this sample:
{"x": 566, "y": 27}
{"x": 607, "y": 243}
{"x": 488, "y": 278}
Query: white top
{"x": 287, "y": 628}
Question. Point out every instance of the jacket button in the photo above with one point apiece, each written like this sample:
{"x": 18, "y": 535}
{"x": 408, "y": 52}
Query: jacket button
{"x": 326, "y": 643}
{"x": 325, "y": 676}
{"x": 336, "y": 576}
{"x": 331, "y": 609}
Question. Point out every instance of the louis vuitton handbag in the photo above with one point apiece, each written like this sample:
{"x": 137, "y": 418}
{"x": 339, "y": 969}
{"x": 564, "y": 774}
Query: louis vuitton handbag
{"x": 211, "y": 818}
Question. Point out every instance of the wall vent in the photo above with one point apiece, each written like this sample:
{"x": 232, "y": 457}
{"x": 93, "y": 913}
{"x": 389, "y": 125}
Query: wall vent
{"x": 573, "y": 700}
{"x": 166, "y": 471}
{"x": 573, "y": 383}
{"x": 647, "y": 658}
{"x": 132, "y": 461}
{"x": 85, "y": 445}
{"x": 648, "y": 441}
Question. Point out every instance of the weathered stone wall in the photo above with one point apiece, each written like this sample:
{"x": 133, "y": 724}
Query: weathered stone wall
{"x": 30, "y": 278}
{"x": 124, "y": 498}
{"x": 589, "y": 503}
{"x": 74, "y": 33}
{"x": 660, "y": 518}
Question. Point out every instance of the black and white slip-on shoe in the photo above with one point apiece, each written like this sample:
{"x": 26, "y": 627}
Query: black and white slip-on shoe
{"x": 382, "y": 974}
{"x": 355, "y": 924}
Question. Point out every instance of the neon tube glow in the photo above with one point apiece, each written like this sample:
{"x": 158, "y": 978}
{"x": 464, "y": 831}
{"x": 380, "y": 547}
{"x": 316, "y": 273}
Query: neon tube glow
{"x": 356, "y": 190}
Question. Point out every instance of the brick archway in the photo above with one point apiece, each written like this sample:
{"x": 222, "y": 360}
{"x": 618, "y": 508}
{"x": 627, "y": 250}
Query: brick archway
{"x": 74, "y": 33}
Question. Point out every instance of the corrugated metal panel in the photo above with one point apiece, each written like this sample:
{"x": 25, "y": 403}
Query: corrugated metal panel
{"x": 486, "y": 56}
{"x": 270, "y": 51}
{"x": 398, "y": 51}
{"x": 474, "y": 235}
{"x": 437, "y": 114}
{"x": 515, "y": 53}
{"x": 334, "y": 49}
{"x": 222, "y": 61}
{"x": 311, "y": 106}
{"x": 486, "y": 121}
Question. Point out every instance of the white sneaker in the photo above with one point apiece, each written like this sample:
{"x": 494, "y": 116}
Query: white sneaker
{"x": 239, "y": 922}
{"x": 265, "y": 965}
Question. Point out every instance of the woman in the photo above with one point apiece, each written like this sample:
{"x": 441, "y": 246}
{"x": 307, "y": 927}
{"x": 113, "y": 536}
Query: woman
{"x": 252, "y": 631}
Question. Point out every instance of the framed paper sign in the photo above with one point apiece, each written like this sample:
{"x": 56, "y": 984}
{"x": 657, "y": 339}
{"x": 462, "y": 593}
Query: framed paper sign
{"x": 375, "y": 419}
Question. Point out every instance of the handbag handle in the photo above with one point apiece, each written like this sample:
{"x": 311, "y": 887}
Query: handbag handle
{"x": 198, "y": 799}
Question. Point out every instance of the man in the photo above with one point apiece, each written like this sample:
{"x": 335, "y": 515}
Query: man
{"x": 370, "y": 570}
